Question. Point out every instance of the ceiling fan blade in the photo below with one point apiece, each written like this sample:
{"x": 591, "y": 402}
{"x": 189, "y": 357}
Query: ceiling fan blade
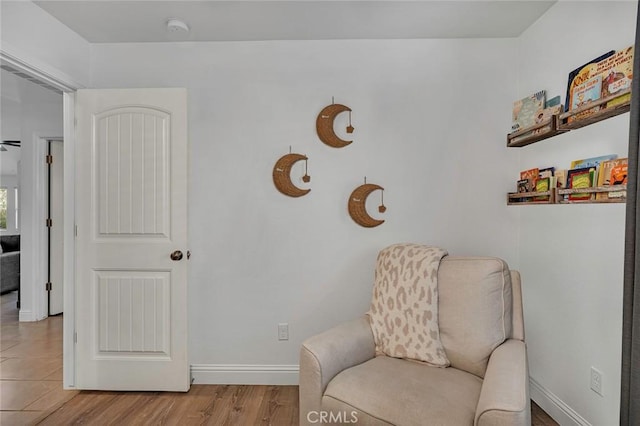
{"x": 11, "y": 143}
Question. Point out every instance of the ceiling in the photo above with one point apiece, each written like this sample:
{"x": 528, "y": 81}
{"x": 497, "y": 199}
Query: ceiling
{"x": 145, "y": 21}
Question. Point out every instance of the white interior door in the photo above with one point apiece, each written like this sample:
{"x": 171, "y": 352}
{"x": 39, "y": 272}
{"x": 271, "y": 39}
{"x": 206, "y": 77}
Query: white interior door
{"x": 56, "y": 231}
{"x": 131, "y": 200}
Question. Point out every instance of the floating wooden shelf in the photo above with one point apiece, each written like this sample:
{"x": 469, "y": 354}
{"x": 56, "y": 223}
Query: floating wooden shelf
{"x": 560, "y": 124}
{"x": 517, "y": 198}
{"x": 557, "y": 196}
{"x": 534, "y": 133}
{"x": 593, "y": 190}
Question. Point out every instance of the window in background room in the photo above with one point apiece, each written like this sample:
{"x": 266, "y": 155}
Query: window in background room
{"x": 16, "y": 209}
{"x": 3, "y": 208}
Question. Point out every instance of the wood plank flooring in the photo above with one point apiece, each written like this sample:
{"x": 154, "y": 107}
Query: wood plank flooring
{"x": 31, "y": 390}
{"x": 202, "y": 405}
{"x": 30, "y": 366}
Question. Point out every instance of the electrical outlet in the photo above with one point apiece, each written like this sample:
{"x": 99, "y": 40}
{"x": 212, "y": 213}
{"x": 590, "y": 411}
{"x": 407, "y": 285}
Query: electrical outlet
{"x": 283, "y": 331}
{"x": 596, "y": 381}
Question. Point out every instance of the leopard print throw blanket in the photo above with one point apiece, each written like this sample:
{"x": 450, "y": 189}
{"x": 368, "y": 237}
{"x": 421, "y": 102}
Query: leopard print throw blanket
{"x": 404, "y": 307}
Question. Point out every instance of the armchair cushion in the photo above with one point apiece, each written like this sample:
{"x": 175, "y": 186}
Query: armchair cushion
{"x": 475, "y": 309}
{"x": 387, "y": 390}
{"x": 404, "y": 306}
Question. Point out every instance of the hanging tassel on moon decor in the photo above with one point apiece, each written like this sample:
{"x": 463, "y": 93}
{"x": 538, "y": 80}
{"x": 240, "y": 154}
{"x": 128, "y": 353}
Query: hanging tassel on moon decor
{"x": 358, "y": 205}
{"x": 282, "y": 174}
{"x": 325, "y": 122}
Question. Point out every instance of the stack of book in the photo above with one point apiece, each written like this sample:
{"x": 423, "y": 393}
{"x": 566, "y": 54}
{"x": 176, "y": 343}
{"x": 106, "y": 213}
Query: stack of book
{"x": 596, "y": 172}
{"x": 603, "y": 77}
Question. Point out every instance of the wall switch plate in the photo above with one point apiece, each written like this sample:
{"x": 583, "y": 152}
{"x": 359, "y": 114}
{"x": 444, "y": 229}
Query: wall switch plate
{"x": 596, "y": 381}
{"x": 283, "y": 331}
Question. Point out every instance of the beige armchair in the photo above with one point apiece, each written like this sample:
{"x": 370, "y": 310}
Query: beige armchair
{"x": 342, "y": 381}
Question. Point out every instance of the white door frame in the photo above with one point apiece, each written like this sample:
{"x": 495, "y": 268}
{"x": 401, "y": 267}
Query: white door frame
{"x": 67, "y": 86}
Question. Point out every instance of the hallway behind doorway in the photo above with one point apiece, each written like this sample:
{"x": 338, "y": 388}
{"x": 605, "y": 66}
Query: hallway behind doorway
{"x": 30, "y": 366}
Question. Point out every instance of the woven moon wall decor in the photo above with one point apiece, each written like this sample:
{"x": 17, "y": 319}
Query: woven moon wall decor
{"x": 357, "y": 205}
{"x": 325, "y": 129}
{"x": 282, "y": 175}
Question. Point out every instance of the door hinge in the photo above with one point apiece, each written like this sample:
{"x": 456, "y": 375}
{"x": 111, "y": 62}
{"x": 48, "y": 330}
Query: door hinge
{"x": 47, "y": 286}
{"x": 49, "y": 159}
{"x": 49, "y": 222}
{"x": 75, "y": 337}
{"x": 76, "y": 230}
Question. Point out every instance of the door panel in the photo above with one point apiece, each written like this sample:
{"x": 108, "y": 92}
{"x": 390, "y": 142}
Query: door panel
{"x": 133, "y": 151}
{"x": 132, "y": 213}
{"x": 133, "y": 313}
{"x": 56, "y": 232}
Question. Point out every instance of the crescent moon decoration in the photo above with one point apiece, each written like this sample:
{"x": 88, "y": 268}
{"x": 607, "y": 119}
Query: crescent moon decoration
{"x": 324, "y": 125}
{"x": 357, "y": 206}
{"x": 282, "y": 175}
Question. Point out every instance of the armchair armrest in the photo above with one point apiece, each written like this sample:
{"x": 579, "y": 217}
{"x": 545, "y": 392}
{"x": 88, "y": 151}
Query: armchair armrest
{"x": 504, "y": 398}
{"x": 325, "y": 355}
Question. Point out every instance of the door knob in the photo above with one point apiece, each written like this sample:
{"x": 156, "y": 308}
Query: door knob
{"x": 176, "y": 255}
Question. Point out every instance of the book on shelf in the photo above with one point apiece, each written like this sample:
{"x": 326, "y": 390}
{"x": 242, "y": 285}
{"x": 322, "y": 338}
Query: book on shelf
{"x": 581, "y": 74}
{"x": 526, "y": 110}
{"x": 532, "y": 176}
{"x": 592, "y": 161}
{"x": 523, "y": 185}
{"x": 580, "y": 178}
{"x": 547, "y": 172}
{"x": 555, "y": 101}
{"x": 544, "y": 116}
{"x": 561, "y": 178}
{"x": 619, "y": 174}
{"x": 584, "y": 94}
{"x": 618, "y": 177}
{"x": 604, "y": 176}
{"x": 543, "y": 185}
{"x": 617, "y": 73}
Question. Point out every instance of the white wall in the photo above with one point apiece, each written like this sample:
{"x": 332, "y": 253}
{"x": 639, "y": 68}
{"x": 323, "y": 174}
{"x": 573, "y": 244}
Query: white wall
{"x": 430, "y": 117}
{"x": 11, "y": 125}
{"x": 31, "y": 35}
{"x": 571, "y": 256}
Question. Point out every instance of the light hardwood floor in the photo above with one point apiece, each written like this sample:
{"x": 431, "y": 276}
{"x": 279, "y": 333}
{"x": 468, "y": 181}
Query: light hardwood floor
{"x": 30, "y": 366}
{"x": 31, "y": 390}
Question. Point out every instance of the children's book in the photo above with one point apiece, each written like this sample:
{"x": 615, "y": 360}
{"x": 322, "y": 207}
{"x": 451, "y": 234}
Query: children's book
{"x": 581, "y": 74}
{"x": 523, "y": 185}
{"x": 532, "y": 176}
{"x": 561, "y": 178}
{"x": 555, "y": 101}
{"x": 584, "y": 94}
{"x": 580, "y": 178}
{"x": 526, "y": 110}
{"x": 604, "y": 176}
{"x": 591, "y": 162}
{"x": 618, "y": 177}
{"x": 617, "y": 73}
{"x": 619, "y": 174}
{"x": 543, "y": 185}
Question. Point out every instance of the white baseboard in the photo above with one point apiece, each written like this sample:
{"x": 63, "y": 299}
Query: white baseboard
{"x": 554, "y": 406}
{"x": 244, "y": 374}
{"x": 26, "y": 315}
